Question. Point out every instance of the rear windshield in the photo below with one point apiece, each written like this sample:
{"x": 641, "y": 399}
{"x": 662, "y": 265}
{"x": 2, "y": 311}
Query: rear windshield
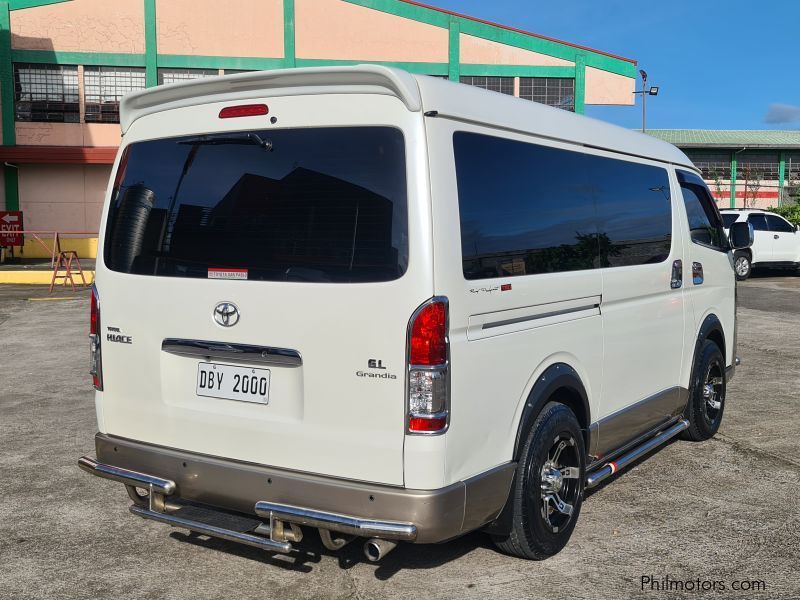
{"x": 728, "y": 219}
{"x": 314, "y": 204}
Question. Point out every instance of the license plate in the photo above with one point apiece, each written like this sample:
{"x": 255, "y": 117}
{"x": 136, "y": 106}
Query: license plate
{"x": 233, "y": 383}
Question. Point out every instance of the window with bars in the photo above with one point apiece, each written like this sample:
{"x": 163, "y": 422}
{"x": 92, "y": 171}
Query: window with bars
{"x": 178, "y": 75}
{"x": 714, "y": 165}
{"x": 46, "y": 93}
{"x": 104, "y": 87}
{"x": 756, "y": 165}
{"x": 553, "y": 91}
{"x": 791, "y": 171}
{"x": 504, "y": 85}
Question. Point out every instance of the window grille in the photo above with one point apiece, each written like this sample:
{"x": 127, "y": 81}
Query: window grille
{"x": 178, "y": 75}
{"x": 104, "y": 87}
{"x": 553, "y": 91}
{"x": 46, "y": 93}
{"x": 504, "y": 85}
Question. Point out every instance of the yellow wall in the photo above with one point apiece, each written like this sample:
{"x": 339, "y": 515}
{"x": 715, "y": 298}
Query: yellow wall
{"x": 85, "y": 247}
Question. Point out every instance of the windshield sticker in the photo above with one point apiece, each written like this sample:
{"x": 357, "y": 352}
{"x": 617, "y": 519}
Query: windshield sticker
{"x": 227, "y": 273}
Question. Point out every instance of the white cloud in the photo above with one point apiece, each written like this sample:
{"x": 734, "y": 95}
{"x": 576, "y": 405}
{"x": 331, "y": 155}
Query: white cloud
{"x": 782, "y": 113}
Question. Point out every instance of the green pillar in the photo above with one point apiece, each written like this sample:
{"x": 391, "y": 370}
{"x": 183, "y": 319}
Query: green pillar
{"x": 454, "y": 50}
{"x": 7, "y": 100}
{"x": 580, "y": 84}
{"x": 733, "y": 180}
{"x": 289, "y": 55}
{"x": 150, "y": 44}
{"x": 781, "y": 176}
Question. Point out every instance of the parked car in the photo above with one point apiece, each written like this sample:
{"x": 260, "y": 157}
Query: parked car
{"x": 776, "y": 242}
{"x": 395, "y": 307}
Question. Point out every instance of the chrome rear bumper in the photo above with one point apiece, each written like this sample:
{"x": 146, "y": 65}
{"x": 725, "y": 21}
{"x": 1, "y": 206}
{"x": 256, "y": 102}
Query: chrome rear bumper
{"x": 126, "y": 476}
{"x": 176, "y": 478}
{"x": 339, "y": 523}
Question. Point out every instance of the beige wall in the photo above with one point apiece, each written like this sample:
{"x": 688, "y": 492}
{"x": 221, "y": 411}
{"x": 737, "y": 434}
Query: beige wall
{"x": 81, "y": 26}
{"x": 475, "y": 50}
{"x": 214, "y": 28}
{"x": 332, "y": 29}
{"x": 64, "y": 198}
{"x": 603, "y": 87}
{"x": 68, "y": 134}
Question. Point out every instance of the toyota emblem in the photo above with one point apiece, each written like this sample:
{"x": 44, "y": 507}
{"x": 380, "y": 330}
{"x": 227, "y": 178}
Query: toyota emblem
{"x": 226, "y": 314}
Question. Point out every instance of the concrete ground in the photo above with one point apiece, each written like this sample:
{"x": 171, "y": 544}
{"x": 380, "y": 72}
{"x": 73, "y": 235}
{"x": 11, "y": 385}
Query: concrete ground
{"x": 725, "y": 510}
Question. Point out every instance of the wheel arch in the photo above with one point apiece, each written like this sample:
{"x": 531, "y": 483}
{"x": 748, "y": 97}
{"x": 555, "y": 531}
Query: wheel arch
{"x": 559, "y": 382}
{"x": 711, "y": 329}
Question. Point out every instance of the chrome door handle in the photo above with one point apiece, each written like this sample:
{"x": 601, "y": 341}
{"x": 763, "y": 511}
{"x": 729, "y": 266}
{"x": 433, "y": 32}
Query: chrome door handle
{"x": 676, "y": 281}
{"x": 697, "y": 273}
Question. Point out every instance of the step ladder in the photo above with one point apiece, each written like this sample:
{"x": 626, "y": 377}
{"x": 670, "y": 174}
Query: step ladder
{"x": 67, "y": 261}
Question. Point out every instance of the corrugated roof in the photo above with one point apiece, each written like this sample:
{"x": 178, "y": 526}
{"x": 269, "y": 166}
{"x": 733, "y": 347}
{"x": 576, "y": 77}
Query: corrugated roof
{"x": 729, "y": 138}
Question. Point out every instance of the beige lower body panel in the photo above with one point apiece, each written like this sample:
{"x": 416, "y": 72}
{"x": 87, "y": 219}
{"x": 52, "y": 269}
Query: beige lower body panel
{"x": 439, "y": 515}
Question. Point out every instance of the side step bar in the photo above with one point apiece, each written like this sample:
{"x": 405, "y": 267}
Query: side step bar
{"x": 218, "y": 532}
{"x": 595, "y": 477}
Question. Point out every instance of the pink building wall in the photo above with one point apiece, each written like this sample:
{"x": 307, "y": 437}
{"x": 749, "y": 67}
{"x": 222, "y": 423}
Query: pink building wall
{"x": 332, "y": 29}
{"x": 213, "y": 28}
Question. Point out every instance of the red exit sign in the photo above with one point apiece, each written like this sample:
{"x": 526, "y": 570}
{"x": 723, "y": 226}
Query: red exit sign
{"x": 10, "y": 228}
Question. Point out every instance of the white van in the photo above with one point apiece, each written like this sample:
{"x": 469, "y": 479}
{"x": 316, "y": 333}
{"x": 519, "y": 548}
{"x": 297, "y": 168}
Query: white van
{"x": 394, "y": 307}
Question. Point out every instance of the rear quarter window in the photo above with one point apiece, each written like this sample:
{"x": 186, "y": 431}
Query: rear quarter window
{"x": 314, "y": 204}
{"x": 528, "y": 209}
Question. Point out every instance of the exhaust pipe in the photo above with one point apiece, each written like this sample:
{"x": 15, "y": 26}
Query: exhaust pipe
{"x": 375, "y": 549}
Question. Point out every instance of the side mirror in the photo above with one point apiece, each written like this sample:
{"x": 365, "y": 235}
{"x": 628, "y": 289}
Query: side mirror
{"x": 741, "y": 235}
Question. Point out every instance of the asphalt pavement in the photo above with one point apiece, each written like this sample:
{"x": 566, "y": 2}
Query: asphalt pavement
{"x": 725, "y": 511}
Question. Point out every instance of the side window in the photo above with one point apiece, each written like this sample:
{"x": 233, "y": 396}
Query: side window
{"x": 705, "y": 223}
{"x": 777, "y": 224}
{"x": 759, "y": 222}
{"x": 528, "y": 209}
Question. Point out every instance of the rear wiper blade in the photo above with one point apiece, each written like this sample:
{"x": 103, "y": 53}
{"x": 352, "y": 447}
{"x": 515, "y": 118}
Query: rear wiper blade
{"x": 215, "y": 140}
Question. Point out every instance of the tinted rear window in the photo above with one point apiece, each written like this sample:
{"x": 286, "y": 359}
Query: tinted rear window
{"x": 529, "y": 209}
{"x": 729, "y": 219}
{"x": 316, "y": 204}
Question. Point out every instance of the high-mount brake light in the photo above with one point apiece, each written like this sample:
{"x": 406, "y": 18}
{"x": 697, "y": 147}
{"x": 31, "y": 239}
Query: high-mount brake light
{"x": 95, "y": 354}
{"x": 244, "y": 110}
{"x": 428, "y": 380}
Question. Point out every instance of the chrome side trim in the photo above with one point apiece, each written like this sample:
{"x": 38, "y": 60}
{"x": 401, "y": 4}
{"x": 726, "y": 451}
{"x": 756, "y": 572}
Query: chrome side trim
{"x": 265, "y": 355}
{"x": 134, "y": 478}
{"x": 594, "y": 478}
{"x": 211, "y": 530}
{"x": 336, "y": 522}
{"x": 544, "y": 315}
{"x": 521, "y": 318}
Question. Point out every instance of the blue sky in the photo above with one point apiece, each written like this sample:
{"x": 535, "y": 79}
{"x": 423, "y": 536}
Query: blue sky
{"x": 720, "y": 64}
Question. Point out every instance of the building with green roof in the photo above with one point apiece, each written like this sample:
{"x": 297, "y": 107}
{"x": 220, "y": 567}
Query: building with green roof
{"x": 745, "y": 168}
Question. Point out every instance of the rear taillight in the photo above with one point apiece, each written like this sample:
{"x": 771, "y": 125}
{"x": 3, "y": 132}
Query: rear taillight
{"x": 428, "y": 381}
{"x": 95, "y": 355}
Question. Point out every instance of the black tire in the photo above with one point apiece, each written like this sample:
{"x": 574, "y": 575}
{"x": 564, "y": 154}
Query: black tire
{"x": 534, "y": 535}
{"x": 742, "y": 265}
{"x": 707, "y": 395}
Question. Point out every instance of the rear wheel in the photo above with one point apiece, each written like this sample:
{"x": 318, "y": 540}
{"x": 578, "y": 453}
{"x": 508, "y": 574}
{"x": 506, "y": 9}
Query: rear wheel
{"x": 707, "y": 397}
{"x": 548, "y": 486}
{"x": 742, "y": 265}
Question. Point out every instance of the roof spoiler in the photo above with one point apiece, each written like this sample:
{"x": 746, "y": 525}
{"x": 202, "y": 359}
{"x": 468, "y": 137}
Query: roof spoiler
{"x": 358, "y": 79}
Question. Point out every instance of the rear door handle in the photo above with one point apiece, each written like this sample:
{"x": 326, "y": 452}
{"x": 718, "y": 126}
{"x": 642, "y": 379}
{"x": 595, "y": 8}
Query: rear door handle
{"x": 775, "y": 237}
{"x": 676, "y": 281}
{"x": 697, "y": 273}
